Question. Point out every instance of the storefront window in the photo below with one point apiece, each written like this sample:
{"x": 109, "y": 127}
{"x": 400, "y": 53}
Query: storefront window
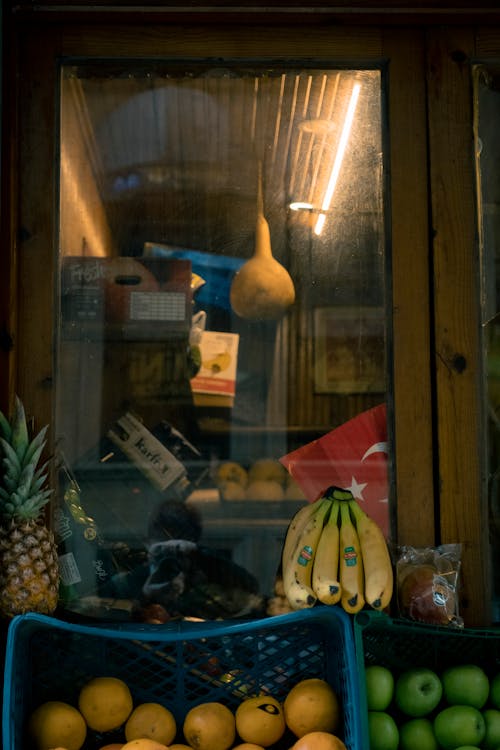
{"x": 192, "y": 384}
{"x": 487, "y": 113}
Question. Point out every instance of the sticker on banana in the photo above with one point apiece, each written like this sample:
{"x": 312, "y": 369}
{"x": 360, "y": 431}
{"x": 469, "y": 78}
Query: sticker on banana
{"x": 350, "y": 563}
{"x": 325, "y": 572}
{"x": 297, "y": 567}
{"x": 295, "y": 527}
{"x": 379, "y": 576}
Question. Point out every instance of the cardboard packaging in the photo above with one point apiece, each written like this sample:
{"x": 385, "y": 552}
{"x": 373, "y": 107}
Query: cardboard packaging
{"x": 126, "y": 295}
{"x": 215, "y": 383}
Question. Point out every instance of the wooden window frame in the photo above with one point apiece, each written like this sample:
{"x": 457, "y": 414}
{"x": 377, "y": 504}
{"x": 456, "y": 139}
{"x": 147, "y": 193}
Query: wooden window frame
{"x": 438, "y": 487}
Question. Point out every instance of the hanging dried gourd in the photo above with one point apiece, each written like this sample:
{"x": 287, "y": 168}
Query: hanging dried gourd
{"x": 262, "y": 289}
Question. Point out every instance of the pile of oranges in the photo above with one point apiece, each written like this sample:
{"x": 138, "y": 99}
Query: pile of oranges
{"x": 310, "y": 716}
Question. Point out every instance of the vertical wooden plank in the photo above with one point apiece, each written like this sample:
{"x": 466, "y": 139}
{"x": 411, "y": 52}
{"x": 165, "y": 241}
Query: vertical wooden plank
{"x": 413, "y": 444}
{"x": 37, "y": 231}
{"x": 462, "y": 498}
{"x": 8, "y": 274}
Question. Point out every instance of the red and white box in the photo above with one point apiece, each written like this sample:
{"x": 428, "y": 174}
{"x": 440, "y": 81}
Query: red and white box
{"x": 215, "y": 383}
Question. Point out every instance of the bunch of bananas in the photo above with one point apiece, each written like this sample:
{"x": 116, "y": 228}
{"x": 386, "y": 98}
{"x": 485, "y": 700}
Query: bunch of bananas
{"x": 334, "y": 552}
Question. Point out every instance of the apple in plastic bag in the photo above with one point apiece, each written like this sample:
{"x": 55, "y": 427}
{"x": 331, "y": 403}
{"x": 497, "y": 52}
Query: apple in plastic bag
{"x": 425, "y": 595}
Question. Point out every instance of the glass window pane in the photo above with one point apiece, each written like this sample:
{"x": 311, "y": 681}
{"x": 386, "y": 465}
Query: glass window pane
{"x": 188, "y": 376}
{"x": 487, "y": 114}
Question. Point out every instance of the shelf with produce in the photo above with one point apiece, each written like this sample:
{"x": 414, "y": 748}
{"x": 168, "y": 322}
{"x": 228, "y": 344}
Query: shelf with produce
{"x": 220, "y": 427}
{"x": 253, "y": 512}
{"x": 248, "y": 443}
{"x": 130, "y": 331}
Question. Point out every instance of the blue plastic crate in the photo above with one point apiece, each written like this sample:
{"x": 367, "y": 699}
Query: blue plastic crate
{"x": 179, "y": 664}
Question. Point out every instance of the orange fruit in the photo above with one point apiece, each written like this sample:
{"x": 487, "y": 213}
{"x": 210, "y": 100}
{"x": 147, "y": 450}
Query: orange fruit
{"x": 312, "y": 705}
{"x": 248, "y": 746}
{"x": 57, "y": 724}
{"x": 260, "y": 720}
{"x": 144, "y": 743}
{"x": 151, "y": 720}
{"x": 105, "y": 702}
{"x": 210, "y": 726}
{"x": 319, "y": 741}
{"x": 112, "y": 746}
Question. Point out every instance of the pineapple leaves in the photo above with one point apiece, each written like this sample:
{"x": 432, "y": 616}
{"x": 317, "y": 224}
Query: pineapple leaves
{"x": 5, "y": 427}
{"x": 39, "y": 478}
{"x": 11, "y": 459}
{"x": 19, "y": 438}
{"x": 22, "y": 493}
{"x": 30, "y": 508}
{"x": 25, "y": 480}
{"x": 34, "y": 450}
{"x": 23, "y": 507}
{"x": 10, "y": 484}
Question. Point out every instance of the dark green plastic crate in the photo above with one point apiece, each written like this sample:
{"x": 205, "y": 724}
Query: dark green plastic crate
{"x": 400, "y": 644}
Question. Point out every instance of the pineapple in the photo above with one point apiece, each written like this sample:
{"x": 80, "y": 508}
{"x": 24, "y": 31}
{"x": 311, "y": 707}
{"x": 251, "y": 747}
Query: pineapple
{"x": 29, "y": 574}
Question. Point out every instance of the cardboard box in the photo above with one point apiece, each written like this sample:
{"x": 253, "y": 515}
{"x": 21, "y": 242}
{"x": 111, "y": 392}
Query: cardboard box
{"x": 126, "y": 295}
{"x": 146, "y": 452}
{"x": 217, "y": 271}
{"x": 215, "y": 383}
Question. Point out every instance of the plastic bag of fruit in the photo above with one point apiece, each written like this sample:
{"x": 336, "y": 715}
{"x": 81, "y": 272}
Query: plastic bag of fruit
{"x": 427, "y": 580}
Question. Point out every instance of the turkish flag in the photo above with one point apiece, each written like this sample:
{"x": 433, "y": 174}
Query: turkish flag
{"x": 353, "y": 457}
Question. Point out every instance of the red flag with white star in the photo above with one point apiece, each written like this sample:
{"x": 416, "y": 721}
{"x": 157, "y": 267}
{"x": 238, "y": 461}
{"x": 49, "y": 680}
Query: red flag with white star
{"x": 353, "y": 457}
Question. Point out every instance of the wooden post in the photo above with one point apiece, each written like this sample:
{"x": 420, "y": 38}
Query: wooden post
{"x": 460, "y": 432}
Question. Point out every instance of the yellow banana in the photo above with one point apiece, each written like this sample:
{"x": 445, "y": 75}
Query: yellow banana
{"x": 350, "y": 563}
{"x": 325, "y": 572}
{"x": 298, "y": 566}
{"x": 218, "y": 363}
{"x": 379, "y": 577}
{"x": 295, "y": 527}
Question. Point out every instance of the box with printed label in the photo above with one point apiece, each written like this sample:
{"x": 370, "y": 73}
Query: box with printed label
{"x": 215, "y": 383}
{"x": 126, "y": 295}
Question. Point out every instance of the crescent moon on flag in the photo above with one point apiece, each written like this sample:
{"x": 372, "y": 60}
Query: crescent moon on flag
{"x": 375, "y": 448}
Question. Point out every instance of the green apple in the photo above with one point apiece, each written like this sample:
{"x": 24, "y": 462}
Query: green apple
{"x": 491, "y": 718}
{"x": 417, "y": 691}
{"x": 495, "y": 691}
{"x": 382, "y": 731}
{"x": 459, "y": 724}
{"x": 417, "y": 734}
{"x": 379, "y": 687}
{"x": 465, "y": 685}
